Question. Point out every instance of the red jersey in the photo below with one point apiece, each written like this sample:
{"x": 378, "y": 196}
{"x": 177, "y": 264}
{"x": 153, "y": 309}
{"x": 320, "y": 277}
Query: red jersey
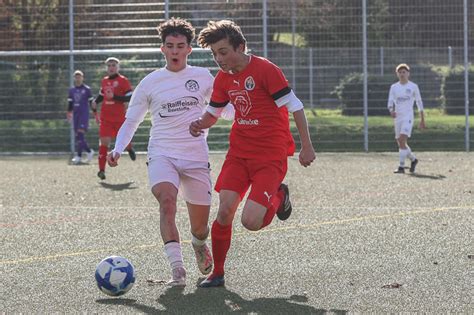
{"x": 113, "y": 110}
{"x": 261, "y": 130}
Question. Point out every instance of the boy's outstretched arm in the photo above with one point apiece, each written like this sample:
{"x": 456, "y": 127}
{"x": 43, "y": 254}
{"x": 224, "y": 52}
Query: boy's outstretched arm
{"x": 204, "y": 122}
{"x": 307, "y": 154}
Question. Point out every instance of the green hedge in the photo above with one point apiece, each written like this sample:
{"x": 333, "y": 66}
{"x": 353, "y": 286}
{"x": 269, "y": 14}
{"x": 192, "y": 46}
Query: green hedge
{"x": 452, "y": 91}
{"x": 350, "y": 93}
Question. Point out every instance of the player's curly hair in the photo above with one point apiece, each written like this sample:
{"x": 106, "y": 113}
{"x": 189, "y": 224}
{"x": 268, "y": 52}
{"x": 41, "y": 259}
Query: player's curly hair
{"x": 176, "y": 26}
{"x": 218, "y": 30}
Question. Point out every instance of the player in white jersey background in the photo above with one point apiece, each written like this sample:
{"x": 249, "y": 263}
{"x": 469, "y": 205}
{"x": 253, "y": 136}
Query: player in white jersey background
{"x": 403, "y": 94}
{"x": 175, "y": 96}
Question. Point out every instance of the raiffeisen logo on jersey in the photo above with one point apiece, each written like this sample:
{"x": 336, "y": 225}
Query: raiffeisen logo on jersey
{"x": 402, "y": 99}
{"x": 178, "y": 106}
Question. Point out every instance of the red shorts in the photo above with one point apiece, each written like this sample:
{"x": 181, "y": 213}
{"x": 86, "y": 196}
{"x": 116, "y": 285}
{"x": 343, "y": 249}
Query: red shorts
{"x": 109, "y": 128}
{"x": 265, "y": 178}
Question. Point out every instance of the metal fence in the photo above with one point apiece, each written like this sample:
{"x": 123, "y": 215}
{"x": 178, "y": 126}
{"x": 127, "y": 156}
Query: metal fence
{"x": 318, "y": 44}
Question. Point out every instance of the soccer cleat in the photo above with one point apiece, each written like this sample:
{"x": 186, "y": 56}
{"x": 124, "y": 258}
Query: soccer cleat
{"x": 132, "y": 154}
{"x": 101, "y": 175}
{"x": 178, "y": 277}
{"x": 399, "y": 170}
{"x": 285, "y": 208}
{"x": 212, "y": 281}
{"x": 413, "y": 165}
{"x": 89, "y": 156}
{"x": 76, "y": 160}
{"x": 203, "y": 258}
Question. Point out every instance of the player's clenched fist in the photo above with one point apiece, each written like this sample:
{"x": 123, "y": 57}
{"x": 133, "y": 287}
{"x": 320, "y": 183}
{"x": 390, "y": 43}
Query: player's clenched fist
{"x": 307, "y": 156}
{"x": 195, "y": 128}
{"x": 112, "y": 158}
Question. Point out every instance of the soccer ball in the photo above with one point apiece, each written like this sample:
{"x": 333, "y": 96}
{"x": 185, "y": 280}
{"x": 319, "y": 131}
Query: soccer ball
{"x": 115, "y": 275}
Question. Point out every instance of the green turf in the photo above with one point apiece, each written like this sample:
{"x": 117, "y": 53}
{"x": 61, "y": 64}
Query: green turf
{"x": 330, "y": 131}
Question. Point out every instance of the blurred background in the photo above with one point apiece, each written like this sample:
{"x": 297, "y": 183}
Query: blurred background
{"x": 338, "y": 55}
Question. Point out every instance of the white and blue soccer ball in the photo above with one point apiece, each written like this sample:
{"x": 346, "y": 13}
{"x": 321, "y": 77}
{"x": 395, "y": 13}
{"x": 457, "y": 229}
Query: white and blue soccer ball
{"x": 115, "y": 275}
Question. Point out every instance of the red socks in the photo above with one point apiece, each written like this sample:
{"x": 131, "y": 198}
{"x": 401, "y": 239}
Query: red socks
{"x": 102, "y": 157}
{"x": 275, "y": 204}
{"x": 221, "y": 236}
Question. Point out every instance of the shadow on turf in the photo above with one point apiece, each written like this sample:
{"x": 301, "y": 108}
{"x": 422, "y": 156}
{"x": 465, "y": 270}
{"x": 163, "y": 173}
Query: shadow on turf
{"x": 221, "y": 301}
{"x": 117, "y": 187}
{"x": 436, "y": 177}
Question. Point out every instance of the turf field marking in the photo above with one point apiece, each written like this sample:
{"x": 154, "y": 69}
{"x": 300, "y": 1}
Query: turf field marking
{"x": 276, "y": 229}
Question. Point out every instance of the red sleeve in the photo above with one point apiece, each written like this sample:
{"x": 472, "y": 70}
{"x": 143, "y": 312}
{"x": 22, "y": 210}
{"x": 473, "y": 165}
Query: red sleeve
{"x": 125, "y": 85}
{"x": 219, "y": 97}
{"x": 275, "y": 81}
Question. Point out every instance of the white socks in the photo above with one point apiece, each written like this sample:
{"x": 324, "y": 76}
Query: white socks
{"x": 410, "y": 155}
{"x": 406, "y": 153}
{"x": 197, "y": 242}
{"x": 174, "y": 255}
{"x": 403, "y": 155}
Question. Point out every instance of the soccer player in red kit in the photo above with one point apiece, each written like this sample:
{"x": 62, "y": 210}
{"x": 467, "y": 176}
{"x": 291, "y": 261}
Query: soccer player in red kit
{"x": 115, "y": 91}
{"x": 260, "y": 140}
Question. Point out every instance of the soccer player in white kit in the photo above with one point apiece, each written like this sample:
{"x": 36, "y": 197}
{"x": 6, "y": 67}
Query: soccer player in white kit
{"x": 400, "y": 104}
{"x": 175, "y": 96}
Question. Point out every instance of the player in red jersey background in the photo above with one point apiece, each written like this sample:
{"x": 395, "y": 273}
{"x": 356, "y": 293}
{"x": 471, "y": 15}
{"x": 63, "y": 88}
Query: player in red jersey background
{"x": 115, "y": 91}
{"x": 260, "y": 140}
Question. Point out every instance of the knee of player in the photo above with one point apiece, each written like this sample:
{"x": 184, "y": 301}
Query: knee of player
{"x": 226, "y": 211}
{"x": 251, "y": 223}
{"x": 200, "y": 232}
{"x": 167, "y": 203}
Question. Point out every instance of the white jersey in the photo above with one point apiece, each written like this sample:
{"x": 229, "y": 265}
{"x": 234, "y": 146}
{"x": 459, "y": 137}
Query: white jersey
{"x": 174, "y": 99}
{"x": 402, "y": 97}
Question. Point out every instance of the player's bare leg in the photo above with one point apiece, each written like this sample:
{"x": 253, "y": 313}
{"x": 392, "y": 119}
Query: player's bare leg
{"x": 199, "y": 217}
{"x": 104, "y": 143}
{"x": 166, "y": 194}
{"x": 221, "y": 232}
{"x": 252, "y": 215}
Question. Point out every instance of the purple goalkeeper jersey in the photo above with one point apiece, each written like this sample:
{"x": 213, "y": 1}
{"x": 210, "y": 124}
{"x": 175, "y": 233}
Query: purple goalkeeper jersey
{"x": 80, "y": 96}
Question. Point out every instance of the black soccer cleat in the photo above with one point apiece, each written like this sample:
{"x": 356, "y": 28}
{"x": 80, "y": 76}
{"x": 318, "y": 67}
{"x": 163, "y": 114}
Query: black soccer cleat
{"x": 132, "y": 154}
{"x": 399, "y": 170}
{"x": 284, "y": 211}
{"x": 413, "y": 165}
{"x": 212, "y": 281}
{"x": 101, "y": 175}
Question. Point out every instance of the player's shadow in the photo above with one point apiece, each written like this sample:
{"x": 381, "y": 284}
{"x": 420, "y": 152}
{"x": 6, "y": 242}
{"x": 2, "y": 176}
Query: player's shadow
{"x": 117, "y": 187}
{"x": 223, "y": 301}
{"x": 434, "y": 176}
{"x": 116, "y": 301}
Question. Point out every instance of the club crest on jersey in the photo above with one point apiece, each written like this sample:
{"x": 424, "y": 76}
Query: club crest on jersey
{"x": 408, "y": 91}
{"x": 249, "y": 84}
{"x": 115, "y": 83}
{"x": 191, "y": 86}
{"x": 241, "y": 100}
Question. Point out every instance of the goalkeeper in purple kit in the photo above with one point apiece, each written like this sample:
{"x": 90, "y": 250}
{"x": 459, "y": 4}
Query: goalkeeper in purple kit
{"x": 79, "y": 101}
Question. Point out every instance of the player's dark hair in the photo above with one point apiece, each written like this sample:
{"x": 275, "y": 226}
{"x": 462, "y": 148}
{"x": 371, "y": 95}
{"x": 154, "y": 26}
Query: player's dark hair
{"x": 218, "y": 30}
{"x": 174, "y": 27}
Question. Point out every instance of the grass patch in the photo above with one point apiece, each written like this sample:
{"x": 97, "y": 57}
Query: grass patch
{"x": 287, "y": 38}
{"x": 330, "y": 131}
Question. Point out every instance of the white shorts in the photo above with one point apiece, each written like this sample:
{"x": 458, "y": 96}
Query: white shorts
{"x": 191, "y": 178}
{"x": 403, "y": 126}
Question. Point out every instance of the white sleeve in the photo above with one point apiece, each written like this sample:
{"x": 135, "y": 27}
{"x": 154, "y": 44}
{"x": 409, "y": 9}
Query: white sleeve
{"x": 419, "y": 102}
{"x": 208, "y": 92}
{"x": 290, "y": 100}
{"x": 229, "y": 112}
{"x": 137, "y": 109}
{"x": 391, "y": 100}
